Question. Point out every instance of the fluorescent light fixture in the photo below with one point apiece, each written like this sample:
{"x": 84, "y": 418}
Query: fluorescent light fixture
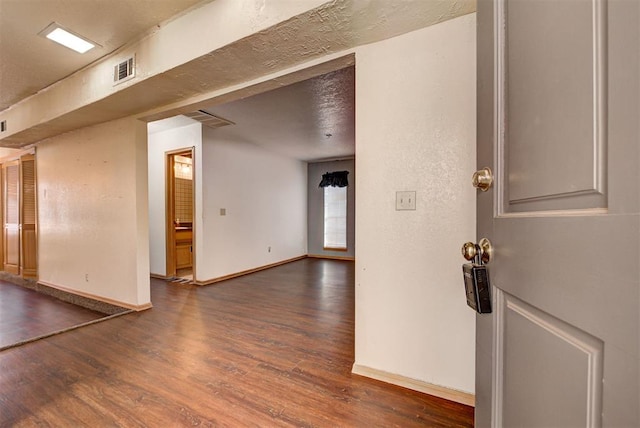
{"x": 66, "y": 38}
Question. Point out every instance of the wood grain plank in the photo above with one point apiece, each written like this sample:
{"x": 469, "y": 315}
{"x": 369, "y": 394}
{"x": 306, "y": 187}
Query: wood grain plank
{"x": 274, "y": 348}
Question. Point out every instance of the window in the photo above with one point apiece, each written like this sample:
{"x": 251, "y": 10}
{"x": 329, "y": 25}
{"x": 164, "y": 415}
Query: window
{"x": 335, "y": 218}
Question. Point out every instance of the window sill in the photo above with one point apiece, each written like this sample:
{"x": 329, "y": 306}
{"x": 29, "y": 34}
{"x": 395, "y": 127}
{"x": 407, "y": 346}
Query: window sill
{"x": 334, "y": 249}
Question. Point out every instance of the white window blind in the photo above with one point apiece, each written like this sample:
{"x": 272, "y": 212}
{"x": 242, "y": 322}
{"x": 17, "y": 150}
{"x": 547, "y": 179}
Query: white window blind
{"x": 335, "y": 217}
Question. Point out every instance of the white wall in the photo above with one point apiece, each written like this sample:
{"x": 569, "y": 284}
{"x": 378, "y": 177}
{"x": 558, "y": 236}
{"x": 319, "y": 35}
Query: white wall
{"x": 265, "y": 198}
{"x": 167, "y": 135}
{"x": 415, "y": 130}
{"x": 92, "y": 209}
{"x": 6, "y": 152}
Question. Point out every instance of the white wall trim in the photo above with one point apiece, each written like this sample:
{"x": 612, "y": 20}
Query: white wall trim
{"x": 416, "y": 385}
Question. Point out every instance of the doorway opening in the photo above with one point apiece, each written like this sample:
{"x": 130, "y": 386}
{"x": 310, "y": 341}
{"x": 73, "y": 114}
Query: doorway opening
{"x": 179, "y": 215}
{"x": 172, "y": 133}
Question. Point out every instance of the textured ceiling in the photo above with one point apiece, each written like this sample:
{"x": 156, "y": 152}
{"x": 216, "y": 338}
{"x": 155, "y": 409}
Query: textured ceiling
{"x": 311, "y": 120}
{"x": 29, "y": 62}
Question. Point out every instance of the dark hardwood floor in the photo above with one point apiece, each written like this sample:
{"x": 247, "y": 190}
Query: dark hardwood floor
{"x": 27, "y": 314}
{"x": 270, "y": 349}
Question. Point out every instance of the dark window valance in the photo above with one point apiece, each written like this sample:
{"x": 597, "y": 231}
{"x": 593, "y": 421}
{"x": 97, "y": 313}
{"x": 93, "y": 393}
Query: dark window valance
{"x": 335, "y": 179}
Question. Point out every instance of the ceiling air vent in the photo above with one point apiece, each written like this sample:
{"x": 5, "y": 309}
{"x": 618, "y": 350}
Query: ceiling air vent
{"x": 208, "y": 119}
{"x": 124, "y": 71}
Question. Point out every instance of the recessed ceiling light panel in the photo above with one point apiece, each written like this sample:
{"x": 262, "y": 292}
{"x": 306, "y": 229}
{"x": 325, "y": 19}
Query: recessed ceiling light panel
{"x": 66, "y": 38}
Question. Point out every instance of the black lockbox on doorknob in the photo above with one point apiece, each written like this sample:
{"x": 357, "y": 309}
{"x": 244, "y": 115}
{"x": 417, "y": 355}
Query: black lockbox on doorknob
{"x": 476, "y": 284}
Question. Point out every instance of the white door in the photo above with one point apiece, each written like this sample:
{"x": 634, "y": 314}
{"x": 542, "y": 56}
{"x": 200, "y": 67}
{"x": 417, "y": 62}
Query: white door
{"x": 558, "y": 122}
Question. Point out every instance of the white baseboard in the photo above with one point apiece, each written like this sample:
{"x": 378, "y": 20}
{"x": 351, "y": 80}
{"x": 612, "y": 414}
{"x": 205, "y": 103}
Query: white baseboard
{"x": 416, "y": 385}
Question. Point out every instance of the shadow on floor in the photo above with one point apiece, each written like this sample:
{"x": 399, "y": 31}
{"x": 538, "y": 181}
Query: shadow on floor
{"x": 27, "y": 315}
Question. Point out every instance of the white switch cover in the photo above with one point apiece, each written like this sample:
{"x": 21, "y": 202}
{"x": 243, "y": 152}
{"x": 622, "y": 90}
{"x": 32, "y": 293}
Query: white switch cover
{"x": 405, "y": 200}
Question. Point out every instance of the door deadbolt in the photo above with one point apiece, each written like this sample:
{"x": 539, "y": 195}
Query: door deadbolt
{"x": 482, "y": 179}
{"x": 482, "y": 251}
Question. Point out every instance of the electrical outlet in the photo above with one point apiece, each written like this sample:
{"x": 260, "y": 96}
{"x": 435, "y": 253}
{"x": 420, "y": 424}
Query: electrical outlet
{"x": 405, "y": 200}
{"x": 86, "y": 277}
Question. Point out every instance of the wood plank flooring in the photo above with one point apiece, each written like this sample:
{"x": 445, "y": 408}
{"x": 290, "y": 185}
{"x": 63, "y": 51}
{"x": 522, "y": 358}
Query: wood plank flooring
{"x": 270, "y": 349}
{"x": 27, "y": 314}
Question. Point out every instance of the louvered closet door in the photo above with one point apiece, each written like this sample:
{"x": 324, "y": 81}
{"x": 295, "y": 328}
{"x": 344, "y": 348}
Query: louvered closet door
{"x": 28, "y": 265}
{"x": 11, "y": 216}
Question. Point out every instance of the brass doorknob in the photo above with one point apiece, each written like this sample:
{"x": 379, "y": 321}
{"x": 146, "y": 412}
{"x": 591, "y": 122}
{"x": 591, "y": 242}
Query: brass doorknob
{"x": 483, "y": 249}
{"x": 482, "y": 179}
{"x": 469, "y": 251}
{"x": 486, "y": 250}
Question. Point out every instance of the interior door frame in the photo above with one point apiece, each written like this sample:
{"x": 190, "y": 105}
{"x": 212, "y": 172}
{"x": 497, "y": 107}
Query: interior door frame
{"x": 170, "y": 237}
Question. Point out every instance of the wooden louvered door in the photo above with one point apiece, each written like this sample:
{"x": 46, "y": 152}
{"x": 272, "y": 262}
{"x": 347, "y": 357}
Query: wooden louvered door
{"x": 11, "y": 216}
{"x": 28, "y": 250}
{"x": 19, "y": 214}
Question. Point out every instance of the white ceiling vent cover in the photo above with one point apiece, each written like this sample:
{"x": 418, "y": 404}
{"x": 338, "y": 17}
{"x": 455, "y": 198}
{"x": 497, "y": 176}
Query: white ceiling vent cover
{"x": 124, "y": 71}
{"x": 208, "y": 119}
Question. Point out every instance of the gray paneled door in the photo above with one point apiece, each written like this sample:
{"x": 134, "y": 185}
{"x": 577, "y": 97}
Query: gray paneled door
{"x": 558, "y": 122}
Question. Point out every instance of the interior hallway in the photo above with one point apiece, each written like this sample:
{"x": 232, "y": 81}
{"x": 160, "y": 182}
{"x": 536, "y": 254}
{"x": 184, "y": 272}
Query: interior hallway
{"x": 274, "y": 348}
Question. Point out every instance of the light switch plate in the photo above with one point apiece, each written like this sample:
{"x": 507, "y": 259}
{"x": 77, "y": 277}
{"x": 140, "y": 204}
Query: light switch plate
{"x": 405, "y": 200}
